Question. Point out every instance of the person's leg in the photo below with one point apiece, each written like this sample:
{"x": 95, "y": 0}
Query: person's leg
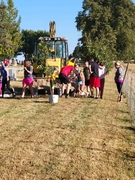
{"x": 81, "y": 86}
{"x": 62, "y": 80}
{"x": 68, "y": 89}
{"x": 9, "y": 87}
{"x": 65, "y": 81}
{"x": 0, "y": 88}
{"x": 4, "y": 81}
{"x": 101, "y": 89}
{"x": 97, "y": 86}
{"x": 121, "y": 94}
{"x": 87, "y": 88}
{"x": 87, "y": 85}
{"x": 78, "y": 89}
{"x": 23, "y": 90}
{"x": 52, "y": 86}
{"x": 31, "y": 90}
{"x": 63, "y": 88}
{"x": 92, "y": 87}
{"x": 91, "y": 91}
{"x": 119, "y": 86}
{"x": 97, "y": 92}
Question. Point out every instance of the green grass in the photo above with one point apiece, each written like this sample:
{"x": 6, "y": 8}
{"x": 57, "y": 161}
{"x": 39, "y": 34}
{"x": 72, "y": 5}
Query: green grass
{"x": 76, "y": 139}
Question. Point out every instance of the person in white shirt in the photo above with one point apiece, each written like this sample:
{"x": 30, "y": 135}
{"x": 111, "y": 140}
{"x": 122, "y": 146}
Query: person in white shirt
{"x": 102, "y": 73}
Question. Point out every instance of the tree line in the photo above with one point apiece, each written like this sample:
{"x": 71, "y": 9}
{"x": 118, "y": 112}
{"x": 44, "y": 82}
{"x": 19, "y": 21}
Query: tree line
{"x": 108, "y": 30}
{"x": 12, "y": 39}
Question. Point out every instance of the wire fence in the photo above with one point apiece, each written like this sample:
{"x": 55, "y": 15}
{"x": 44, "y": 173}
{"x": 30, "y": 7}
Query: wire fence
{"x": 129, "y": 90}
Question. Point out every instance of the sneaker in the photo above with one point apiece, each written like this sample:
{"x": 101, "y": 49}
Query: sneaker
{"x": 82, "y": 93}
{"x": 67, "y": 96}
{"x": 96, "y": 97}
{"x": 20, "y": 98}
{"x": 92, "y": 96}
{"x": 62, "y": 96}
{"x": 14, "y": 95}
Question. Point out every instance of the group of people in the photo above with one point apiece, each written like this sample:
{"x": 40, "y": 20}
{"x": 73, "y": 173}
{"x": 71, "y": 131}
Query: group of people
{"x": 91, "y": 77}
{"x": 5, "y": 79}
{"x": 85, "y": 79}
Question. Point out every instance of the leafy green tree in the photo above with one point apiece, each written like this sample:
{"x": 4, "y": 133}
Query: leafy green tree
{"x": 29, "y": 38}
{"x": 10, "y": 37}
{"x": 124, "y": 26}
{"x": 77, "y": 51}
{"x": 3, "y": 40}
{"x": 107, "y": 28}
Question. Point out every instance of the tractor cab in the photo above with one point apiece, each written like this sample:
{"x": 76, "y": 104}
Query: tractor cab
{"x": 57, "y": 48}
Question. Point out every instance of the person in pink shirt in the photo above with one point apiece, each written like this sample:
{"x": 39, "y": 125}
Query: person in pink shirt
{"x": 64, "y": 76}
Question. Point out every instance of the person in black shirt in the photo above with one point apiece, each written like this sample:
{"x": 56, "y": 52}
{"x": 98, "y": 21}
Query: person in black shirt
{"x": 94, "y": 78}
{"x": 86, "y": 72}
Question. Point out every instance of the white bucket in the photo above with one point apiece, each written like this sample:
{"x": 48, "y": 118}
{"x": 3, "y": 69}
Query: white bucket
{"x": 53, "y": 98}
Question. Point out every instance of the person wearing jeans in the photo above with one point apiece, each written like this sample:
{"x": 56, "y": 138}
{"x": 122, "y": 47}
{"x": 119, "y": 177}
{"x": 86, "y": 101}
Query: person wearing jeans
{"x": 6, "y": 78}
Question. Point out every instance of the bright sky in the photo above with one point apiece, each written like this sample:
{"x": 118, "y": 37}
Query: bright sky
{"x": 36, "y": 15}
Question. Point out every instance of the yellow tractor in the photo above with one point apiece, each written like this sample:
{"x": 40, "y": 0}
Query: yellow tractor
{"x": 57, "y": 48}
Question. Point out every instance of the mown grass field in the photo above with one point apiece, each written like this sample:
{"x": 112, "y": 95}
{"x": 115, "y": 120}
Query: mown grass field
{"x": 76, "y": 139}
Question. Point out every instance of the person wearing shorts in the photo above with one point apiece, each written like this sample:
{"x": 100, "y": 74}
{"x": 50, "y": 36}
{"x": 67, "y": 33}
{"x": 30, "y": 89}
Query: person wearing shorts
{"x": 94, "y": 78}
{"x": 65, "y": 79}
{"x": 28, "y": 78}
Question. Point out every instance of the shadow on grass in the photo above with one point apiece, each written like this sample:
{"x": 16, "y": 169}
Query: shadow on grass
{"x": 124, "y": 112}
{"x": 130, "y": 155}
{"x": 130, "y": 128}
{"x": 38, "y": 102}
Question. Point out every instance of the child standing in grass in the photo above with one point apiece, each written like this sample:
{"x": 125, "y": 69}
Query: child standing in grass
{"x": 79, "y": 80}
{"x": 83, "y": 81}
{"x": 28, "y": 78}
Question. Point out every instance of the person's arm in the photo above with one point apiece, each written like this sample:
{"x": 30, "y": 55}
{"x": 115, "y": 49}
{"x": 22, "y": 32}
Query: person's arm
{"x": 28, "y": 71}
{"x": 90, "y": 69}
{"x": 6, "y": 73}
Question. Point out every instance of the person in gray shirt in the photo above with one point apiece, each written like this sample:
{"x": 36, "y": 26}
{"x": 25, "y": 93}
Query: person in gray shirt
{"x": 28, "y": 78}
{"x": 119, "y": 79}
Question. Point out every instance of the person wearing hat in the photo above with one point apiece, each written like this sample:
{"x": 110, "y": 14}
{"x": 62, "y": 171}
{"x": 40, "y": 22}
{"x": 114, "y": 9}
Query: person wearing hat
{"x": 119, "y": 79}
{"x": 64, "y": 77}
{"x": 6, "y": 78}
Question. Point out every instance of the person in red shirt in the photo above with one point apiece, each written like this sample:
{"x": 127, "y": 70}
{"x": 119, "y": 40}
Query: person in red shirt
{"x": 65, "y": 78}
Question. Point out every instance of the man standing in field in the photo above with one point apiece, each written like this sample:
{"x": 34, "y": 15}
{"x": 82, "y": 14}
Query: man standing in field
{"x": 94, "y": 78}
